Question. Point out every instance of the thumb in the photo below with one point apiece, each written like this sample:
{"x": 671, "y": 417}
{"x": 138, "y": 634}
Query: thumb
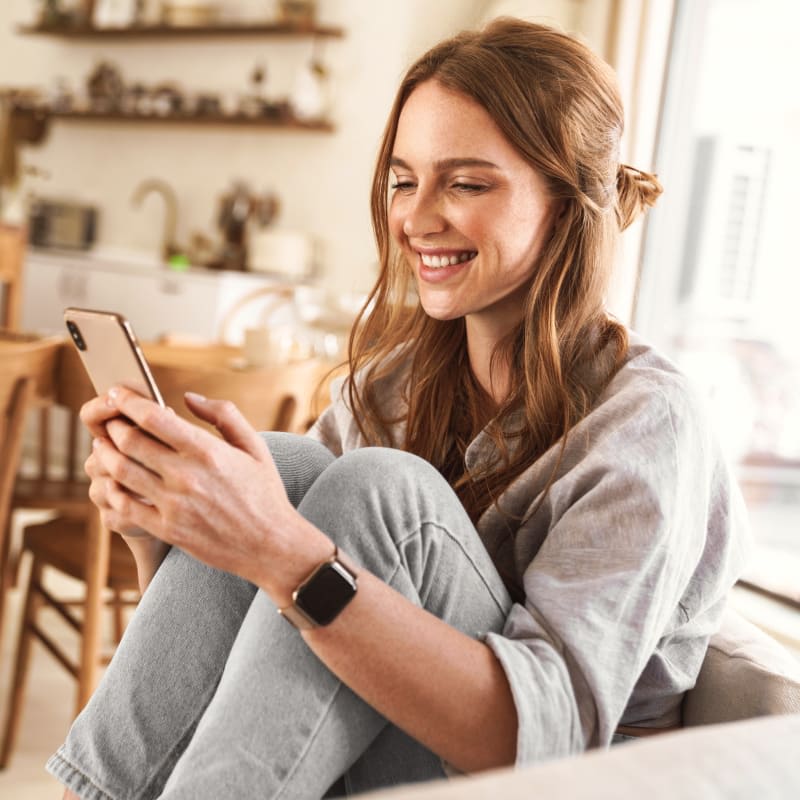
{"x": 229, "y": 421}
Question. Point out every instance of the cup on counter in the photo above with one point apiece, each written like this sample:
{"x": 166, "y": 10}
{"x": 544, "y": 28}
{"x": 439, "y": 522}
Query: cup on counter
{"x": 266, "y": 346}
{"x": 257, "y": 348}
{"x": 280, "y": 251}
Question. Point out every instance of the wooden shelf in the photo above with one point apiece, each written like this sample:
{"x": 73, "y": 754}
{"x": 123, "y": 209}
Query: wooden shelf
{"x": 278, "y": 29}
{"x": 237, "y": 120}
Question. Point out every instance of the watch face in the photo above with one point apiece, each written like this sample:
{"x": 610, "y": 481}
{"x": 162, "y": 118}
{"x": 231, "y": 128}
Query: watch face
{"x": 326, "y": 593}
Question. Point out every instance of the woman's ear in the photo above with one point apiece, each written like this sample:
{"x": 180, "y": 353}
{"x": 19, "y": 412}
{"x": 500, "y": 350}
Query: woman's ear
{"x": 557, "y": 213}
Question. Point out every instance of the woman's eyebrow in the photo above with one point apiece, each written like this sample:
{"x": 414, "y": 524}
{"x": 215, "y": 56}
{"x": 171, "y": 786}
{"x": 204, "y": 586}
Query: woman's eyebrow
{"x": 447, "y": 163}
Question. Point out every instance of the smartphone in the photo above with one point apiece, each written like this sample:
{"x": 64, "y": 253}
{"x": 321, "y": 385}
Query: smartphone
{"x": 110, "y": 351}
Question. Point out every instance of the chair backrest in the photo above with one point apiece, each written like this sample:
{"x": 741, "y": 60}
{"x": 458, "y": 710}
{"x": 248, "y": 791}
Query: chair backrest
{"x": 276, "y": 398}
{"x": 746, "y": 673}
{"x": 13, "y": 241}
{"x": 63, "y": 442}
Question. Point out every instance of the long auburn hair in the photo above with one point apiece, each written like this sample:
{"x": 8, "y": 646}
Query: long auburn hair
{"x": 558, "y": 105}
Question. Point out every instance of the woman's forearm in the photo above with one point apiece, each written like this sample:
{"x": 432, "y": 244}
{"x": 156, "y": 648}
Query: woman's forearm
{"x": 442, "y": 687}
{"x": 439, "y": 685}
{"x": 148, "y": 553}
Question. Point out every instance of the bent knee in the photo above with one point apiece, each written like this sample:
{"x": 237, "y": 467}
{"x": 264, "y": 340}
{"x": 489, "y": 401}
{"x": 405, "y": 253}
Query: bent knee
{"x": 376, "y": 467}
{"x": 299, "y": 460}
{"x": 295, "y": 445}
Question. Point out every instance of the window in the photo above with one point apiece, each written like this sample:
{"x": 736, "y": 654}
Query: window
{"x": 720, "y": 278}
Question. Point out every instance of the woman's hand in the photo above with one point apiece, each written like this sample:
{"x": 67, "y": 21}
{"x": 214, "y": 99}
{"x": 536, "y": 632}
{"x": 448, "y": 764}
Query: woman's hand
{"x": 221, "y": 500}
{"x": 148, "y": 552}
{"x": 95, "y": 414}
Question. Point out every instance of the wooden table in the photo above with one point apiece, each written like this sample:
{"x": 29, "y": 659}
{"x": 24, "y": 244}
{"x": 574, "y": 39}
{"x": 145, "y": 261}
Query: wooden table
{"x": 285, "y": 397}
{"x": 277, "y": 397}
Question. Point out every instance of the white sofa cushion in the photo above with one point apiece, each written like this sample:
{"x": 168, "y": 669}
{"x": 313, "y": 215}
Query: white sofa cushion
{"x": 758, "y": 758}
{"x": 746, "y": 673}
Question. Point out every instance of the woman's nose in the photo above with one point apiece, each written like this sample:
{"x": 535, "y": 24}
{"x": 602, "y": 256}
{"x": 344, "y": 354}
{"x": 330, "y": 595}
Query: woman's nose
{"x": 424, "y": 215}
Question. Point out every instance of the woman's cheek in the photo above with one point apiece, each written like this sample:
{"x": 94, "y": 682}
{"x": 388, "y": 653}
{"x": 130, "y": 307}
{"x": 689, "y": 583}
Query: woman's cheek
{"x": 396, "y": 225}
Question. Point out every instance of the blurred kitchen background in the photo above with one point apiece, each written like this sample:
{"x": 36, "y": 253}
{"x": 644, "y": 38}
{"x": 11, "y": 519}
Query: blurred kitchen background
{"x": 204, "y": 167}
{"x": 200, "y": 134}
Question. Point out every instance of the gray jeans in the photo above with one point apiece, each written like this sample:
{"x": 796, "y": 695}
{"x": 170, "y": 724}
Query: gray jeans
{"x": 211, "y": 694}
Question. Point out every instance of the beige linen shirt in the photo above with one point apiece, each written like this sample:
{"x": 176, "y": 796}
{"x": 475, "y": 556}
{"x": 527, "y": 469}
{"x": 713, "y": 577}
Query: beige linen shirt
{"x": 625, "y": 565}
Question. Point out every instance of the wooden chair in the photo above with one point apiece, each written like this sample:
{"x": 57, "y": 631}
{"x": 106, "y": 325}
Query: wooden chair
{"x": 75, "y": 543}
{"x": 13, "y": 241}
{"x": 54, "y": 480}
{"x": 34, "y": 358}
{"x": 78, "y": 545}
{"x": 16, "y": 394}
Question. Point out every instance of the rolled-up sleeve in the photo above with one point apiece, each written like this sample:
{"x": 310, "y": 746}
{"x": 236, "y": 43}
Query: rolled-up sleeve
{"x": 629, "y": 580}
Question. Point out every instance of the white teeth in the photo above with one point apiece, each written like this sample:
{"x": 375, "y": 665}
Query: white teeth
{"x": 446, "y": 261}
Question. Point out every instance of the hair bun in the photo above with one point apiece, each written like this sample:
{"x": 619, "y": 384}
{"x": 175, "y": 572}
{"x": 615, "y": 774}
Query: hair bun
{"x": 636, "y": 190}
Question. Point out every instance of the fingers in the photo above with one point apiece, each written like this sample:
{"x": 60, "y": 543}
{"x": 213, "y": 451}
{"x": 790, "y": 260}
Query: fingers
{"x": 229, "y": 421}
{"x": 161, "y": 423}
{"x": 109, "y": 498}
{"x": 98, "y": 492}
{"x": 126, "y": 513}
{"x": 124, "y": 470}
{"x": 96, "y": 412}
{"x": 182, "y": 435}
{"x": 138, "y": 444}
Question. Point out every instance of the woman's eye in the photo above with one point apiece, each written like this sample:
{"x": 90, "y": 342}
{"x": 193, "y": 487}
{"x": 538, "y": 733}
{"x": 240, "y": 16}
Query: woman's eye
{"x": 469, "y": 188}
{"x": 403, "y": 186}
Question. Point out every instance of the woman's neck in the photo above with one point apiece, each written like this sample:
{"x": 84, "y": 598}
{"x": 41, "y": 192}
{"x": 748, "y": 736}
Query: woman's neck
{"x": 493, "y": 375}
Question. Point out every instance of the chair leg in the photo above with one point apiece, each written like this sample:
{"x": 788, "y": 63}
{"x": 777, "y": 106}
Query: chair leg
{"x": 98, "y": 552}
{"x": 21, "y": 666}
{"x": 9, "y": 568}
{"x": 119, "y": 616}
{"x": 6, "y": 576}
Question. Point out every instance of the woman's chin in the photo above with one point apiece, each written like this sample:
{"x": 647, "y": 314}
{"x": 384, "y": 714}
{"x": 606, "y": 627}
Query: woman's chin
{"x": 442, "y": 314}
{"x": 438, "y": 306}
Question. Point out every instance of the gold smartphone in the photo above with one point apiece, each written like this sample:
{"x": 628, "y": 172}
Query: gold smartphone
{"x": 110, "y": 351}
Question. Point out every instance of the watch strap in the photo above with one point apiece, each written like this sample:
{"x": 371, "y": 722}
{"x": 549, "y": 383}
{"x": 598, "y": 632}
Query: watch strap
{"x": 298, "y": 618}
{"x": 296, "y": 615}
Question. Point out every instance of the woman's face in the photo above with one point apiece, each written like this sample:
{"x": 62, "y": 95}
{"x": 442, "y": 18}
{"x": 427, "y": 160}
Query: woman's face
{"x": 469, "y": 214}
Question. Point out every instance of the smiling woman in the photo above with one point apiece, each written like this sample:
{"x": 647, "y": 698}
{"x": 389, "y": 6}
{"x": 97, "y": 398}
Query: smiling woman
{"x": 511, "y": 532}
{"x": 471, "y": 226}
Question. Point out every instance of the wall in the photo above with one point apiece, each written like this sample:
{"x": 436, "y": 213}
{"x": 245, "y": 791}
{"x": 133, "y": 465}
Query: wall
{"x": 322, "y": 180}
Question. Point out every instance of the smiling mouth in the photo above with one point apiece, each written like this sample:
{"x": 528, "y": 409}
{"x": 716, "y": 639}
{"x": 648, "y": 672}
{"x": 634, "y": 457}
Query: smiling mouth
{"x": 439, "y": 261}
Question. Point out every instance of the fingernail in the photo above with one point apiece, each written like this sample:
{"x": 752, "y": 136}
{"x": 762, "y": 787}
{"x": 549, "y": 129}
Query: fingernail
{"x": 112, "y": 396}
{"x": 96, "y": 443}
{"x": 198, "y": 398}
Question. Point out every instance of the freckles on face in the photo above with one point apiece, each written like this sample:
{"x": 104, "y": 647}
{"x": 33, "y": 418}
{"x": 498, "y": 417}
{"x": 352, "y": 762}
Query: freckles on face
{"x": 467, "y": 211}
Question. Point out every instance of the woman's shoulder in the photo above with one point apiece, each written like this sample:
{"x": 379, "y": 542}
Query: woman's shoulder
{"x": 650, "y": 399}
{"x": 649, "y": 376}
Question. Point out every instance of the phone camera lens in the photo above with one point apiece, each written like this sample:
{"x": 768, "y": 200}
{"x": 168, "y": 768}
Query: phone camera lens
{"x": 76, "y": 335}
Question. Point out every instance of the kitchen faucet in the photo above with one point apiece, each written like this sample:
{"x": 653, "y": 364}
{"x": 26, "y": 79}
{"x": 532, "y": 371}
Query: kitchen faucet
{"x": 169, "y": 247}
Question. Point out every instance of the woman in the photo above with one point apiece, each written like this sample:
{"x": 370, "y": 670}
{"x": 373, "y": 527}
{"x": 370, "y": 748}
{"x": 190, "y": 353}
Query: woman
{"x": 514, "y": 532}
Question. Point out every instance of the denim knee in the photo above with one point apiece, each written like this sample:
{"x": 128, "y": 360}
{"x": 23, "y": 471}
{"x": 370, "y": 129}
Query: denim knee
{"x": 399, "y": 487}
{"x": 395, "y": 515}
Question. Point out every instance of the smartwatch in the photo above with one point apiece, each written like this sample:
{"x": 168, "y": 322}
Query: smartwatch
{"x": 322, "y": 596}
